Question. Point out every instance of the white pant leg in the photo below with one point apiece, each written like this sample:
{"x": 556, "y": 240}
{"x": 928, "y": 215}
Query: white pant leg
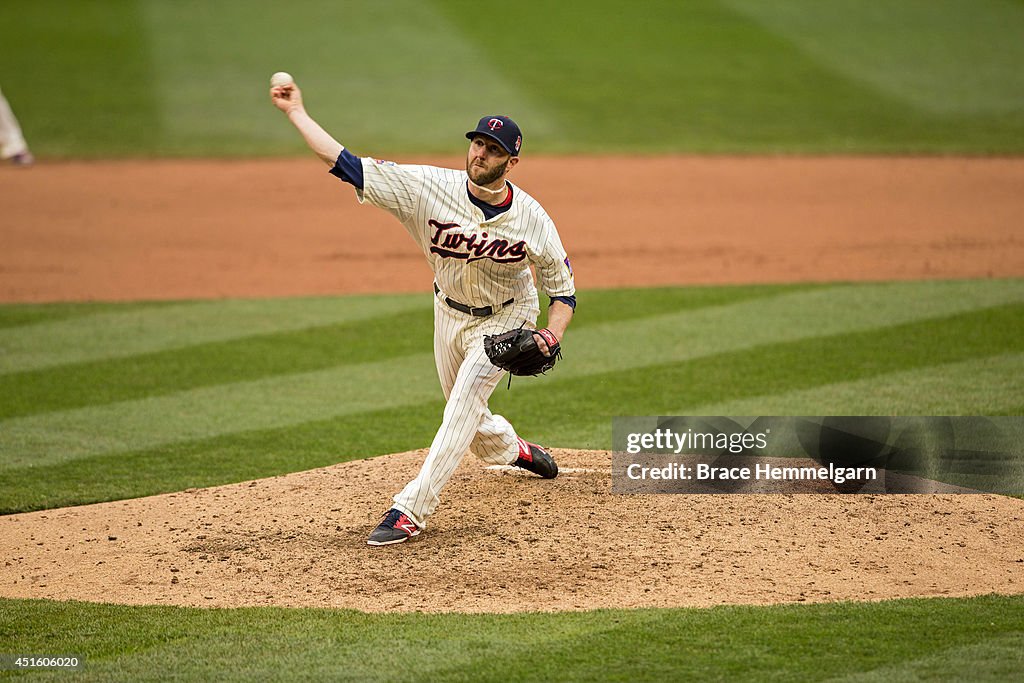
{"x": 11, "y": 140}
{"x": 495, "y": 442}
{"x": 467, "y": 378}
{"x": 449, "y": 350}
{"x": 463, "y": 416}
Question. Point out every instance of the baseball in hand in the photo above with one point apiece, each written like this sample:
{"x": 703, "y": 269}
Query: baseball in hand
{"x": 281, "y": 78}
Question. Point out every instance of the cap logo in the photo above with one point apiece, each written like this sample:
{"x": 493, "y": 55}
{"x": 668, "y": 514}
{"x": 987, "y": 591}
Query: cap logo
{"x": 495, "y": 124}
{"x": 519, "y": 141}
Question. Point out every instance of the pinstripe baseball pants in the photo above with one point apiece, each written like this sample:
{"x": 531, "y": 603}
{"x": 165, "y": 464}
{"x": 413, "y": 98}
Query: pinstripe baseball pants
{"x": 467, "y": 378}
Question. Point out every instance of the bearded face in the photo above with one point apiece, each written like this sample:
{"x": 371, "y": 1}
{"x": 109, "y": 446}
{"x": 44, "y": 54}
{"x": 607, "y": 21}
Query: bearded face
{"x": 486, "y": 162}
{"x": 480, "y": 174}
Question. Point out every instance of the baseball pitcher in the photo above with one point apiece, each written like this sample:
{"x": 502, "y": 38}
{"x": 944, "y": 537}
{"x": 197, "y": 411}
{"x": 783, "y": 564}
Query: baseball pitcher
{"x": 480, "y": 235}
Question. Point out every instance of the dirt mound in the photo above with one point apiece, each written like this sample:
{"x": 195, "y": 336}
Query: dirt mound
{"x": 503, "y": 541}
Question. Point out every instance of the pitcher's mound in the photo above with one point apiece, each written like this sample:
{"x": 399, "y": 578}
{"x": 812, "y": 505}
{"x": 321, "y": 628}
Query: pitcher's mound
{"x": 504, "y": 542}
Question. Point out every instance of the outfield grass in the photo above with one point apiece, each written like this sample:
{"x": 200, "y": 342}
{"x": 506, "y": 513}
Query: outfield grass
{"x": 978, "y": 639}
{"x": 120, "y": 401}
{"x": 149, "y": 77}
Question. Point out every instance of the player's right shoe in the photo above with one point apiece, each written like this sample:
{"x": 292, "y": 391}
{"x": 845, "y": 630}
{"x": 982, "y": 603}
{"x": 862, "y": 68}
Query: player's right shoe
{"x": 535, "y": 459}
{"x": 22, "y": 159}
{"x": 396, "y": 527}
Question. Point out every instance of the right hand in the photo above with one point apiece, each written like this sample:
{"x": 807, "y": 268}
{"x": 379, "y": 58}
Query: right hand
{"x": 287, "y": 98}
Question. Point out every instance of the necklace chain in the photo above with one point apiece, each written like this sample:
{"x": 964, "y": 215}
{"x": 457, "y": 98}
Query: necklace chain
{"x": 485, "y": 189}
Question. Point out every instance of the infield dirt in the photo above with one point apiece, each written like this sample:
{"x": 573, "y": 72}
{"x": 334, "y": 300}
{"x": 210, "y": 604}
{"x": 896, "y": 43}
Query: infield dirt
{"x": 136, "y": 230}
{"x": 508, "y": 542}
{"x": 503, "y": 542}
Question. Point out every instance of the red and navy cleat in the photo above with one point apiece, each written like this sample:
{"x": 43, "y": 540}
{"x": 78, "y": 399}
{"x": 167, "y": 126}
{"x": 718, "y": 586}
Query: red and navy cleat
{"x": 396, "y": 527}
{"x": 22, "y": 159}
{"x": 535, "y": 459}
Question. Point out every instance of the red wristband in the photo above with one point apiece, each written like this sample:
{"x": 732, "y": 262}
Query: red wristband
{"x": 549, "y": 337}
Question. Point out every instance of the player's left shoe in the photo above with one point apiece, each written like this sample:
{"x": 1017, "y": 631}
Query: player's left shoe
{"x": 535, "y": 459}
{"x": 396, "y": 527}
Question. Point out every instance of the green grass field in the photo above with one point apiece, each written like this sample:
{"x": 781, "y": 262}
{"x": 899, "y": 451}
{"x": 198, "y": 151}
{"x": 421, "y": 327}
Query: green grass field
{"x": 104, "y": 401}
{"x": 980, "y": 639}
{"x": 189, "y": 78}
{"x": 131, "y": 400}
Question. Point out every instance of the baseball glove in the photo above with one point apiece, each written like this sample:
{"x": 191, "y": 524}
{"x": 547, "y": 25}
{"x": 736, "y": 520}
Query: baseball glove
{"x": 517, "y": 352}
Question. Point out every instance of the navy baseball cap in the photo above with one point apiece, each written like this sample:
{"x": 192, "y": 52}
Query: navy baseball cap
{"x": 502, "y": 130}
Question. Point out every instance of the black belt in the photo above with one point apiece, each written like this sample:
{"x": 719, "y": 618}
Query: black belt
{"x": 481, "y": 312}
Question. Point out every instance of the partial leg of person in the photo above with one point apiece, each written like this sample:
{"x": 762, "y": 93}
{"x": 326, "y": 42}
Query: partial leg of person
{"x": 463, "y": 415}
{"x": 495, "y": 442}
{"x": 466, "y": 385}
{"x": 467, "y": 378}
{"x": 12, "y": 142}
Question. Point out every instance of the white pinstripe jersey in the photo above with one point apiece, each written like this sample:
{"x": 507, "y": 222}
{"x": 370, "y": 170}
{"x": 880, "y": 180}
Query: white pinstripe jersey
{"x": 475, "y": 261}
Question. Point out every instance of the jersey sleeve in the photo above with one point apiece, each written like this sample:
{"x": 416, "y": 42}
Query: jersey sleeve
{"x": 554, "y": 271}
{"x": 392, "y": 187}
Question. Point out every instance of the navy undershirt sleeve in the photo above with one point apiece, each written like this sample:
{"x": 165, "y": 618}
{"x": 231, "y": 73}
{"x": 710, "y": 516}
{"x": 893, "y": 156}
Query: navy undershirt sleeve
{"x": 569, "y": 301}
{"x": 349, "y": 168}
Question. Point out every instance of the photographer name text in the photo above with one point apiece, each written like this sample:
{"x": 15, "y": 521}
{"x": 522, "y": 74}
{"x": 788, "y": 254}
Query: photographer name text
{"x": 706, "y": 472}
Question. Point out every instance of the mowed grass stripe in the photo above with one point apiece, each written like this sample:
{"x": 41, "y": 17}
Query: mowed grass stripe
{"x": 48, "y": 66}
{"x": 995, "y": 658}
{"x": 292, "y": 399}
{"x": 674, "y": 55}
{"x": 205, "y": 365}
{"x": 779, "y": 77}
{"x": 121, "y": 334}
{"x": 238, "y": 456}
{"x": 713, "y": 78}
{"x": 571, "y": 413}
{"x": 224, "y": 409}
{"x": 253, "y": 357}
{"x": 865, "y": 40}
{"x": 211, "y": 63}
{"x": 789, "y": 317}
{"x": 628, "y": 304}
{"x": 17, "y": 315}
{"x": 974, "y": 638}
{"x": 984, "y": 386}
{"x": 763, "y": 371}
